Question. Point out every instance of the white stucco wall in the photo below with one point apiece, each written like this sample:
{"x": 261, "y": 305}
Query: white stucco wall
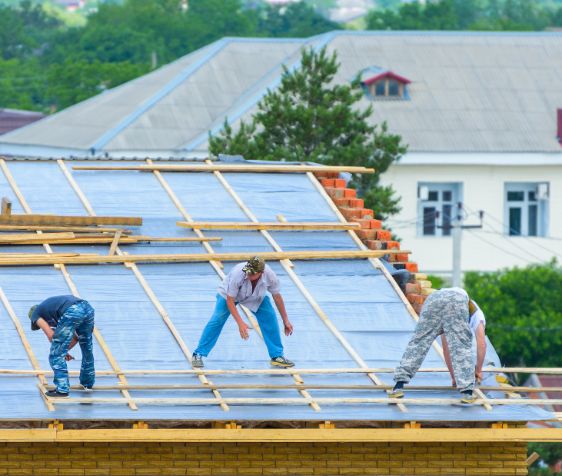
{"x": 483, "y": 189}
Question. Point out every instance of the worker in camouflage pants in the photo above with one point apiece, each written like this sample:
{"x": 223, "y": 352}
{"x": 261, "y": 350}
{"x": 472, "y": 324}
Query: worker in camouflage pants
{"x": 66, "y": 320}
{"x": 444, "y": 312}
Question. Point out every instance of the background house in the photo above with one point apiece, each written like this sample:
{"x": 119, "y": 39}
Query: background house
{"x": 478, "y": 111}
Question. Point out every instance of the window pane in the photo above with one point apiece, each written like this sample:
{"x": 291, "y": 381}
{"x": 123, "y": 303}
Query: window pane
{"x": 432, "y": 196}
{"x": 379, "y": 88}
{"x": 429, "y": 221}
{"x": 446, "y": 221}
{"x": 515, "y": 221}
{"x": 515, "y": 196}
{"x": 533, "y": 196}
{"x": 392, "y": 88}
{"x": 447, "y": 196}
{"x": 533, "y": 220}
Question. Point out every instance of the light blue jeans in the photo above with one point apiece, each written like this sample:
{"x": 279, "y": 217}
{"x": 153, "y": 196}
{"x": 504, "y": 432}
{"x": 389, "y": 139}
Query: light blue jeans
{"x": 267, "y": 319}
{"x": 77, "y": 319}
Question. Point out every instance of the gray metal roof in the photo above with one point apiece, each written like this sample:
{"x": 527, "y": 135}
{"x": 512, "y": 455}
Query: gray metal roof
{"x": 470, "y": 92}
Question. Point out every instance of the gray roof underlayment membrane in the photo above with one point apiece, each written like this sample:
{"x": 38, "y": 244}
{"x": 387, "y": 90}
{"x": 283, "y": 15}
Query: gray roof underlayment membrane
{"x": 356, "y": 297}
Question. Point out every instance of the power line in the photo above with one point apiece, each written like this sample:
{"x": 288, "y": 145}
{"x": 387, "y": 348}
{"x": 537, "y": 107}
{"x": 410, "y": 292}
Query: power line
{"x": 499, "y": 247}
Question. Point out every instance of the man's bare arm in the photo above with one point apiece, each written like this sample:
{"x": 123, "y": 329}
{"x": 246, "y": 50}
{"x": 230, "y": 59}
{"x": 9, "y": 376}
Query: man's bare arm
{"x": 447, "y": 356}
{"x": 480, "y": 350}
{"x": 242, "y": 326}
{"x": 278, "y": 299}
{"x": 46, "y": 328}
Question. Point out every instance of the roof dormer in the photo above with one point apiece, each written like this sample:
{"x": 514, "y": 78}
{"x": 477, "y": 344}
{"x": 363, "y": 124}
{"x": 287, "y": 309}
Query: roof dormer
{"x": 379, "y": 83}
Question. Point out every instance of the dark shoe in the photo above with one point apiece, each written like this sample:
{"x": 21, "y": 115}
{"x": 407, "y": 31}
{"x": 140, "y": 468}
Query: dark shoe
{"x": 397, "y": 391}
{"x": 197, "y": 361}
{"x": 56, "y": 394}
{"x": 468, "y": 397}
{"x": 282, "y": 362}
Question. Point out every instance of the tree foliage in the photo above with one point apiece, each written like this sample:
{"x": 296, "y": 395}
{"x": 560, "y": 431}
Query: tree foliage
{"x": 310, "y": 117}
{"x": 523, "y": 311}
{"x": 493, "y": 15}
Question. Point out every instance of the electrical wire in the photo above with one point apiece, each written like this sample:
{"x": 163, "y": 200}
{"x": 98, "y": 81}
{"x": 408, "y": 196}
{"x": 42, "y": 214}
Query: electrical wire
{"x": 499, "y": 247}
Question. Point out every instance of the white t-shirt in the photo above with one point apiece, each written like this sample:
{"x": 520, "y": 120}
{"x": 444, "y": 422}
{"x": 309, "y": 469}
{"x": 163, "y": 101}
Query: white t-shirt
{"x": 476, "y": 318}
{"x": 237, "y": 285}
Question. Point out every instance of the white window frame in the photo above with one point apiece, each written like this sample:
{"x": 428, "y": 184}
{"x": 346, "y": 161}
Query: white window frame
{"x": 541, "y": 191}
{"x": 428, "y": 190}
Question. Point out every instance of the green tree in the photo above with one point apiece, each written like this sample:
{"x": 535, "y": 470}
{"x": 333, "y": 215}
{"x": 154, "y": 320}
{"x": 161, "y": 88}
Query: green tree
{"x": 309, "y": 118}
{"x": 523, "y": 311}
{"x": 550, "y": 454}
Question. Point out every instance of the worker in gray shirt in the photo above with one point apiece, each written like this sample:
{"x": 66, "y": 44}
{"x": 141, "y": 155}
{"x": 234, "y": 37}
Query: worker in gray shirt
{"x": 247, "y": 284}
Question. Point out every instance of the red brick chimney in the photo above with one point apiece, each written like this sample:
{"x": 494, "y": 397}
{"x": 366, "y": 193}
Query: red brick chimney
{"x": 559, "y": 126}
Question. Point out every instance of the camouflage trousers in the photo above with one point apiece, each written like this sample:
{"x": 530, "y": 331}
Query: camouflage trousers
{"x": 445, "y": 312}
{"x": 77, "y": 319}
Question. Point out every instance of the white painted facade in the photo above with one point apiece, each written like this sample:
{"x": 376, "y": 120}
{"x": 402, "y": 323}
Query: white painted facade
{"x": 482, "y": 180}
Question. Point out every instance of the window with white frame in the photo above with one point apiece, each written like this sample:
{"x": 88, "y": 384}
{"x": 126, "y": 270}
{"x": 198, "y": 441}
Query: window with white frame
{"x": 437, "y": 203}
{"x": 526, "y": 209}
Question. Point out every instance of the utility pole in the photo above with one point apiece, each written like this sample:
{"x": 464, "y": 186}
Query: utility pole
{"x": 456, "y": 232}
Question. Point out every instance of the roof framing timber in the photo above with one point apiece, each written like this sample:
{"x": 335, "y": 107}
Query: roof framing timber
{"x": 214, "y": 167}
{"x": 300, "y": 435}
{"x": 277, "y": 226}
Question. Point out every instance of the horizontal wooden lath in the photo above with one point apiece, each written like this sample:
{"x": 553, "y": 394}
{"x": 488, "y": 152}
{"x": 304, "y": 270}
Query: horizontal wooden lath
{"x": 290, "y": 435}
{"x": 238, "y": 168}
{"x": 50, "y": 220}
{"x": 278, "y": 226}
{"x": 29, "y": 259}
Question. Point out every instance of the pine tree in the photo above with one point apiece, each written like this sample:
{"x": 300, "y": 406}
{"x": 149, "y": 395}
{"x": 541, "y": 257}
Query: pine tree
{"x": 311, "y": 118}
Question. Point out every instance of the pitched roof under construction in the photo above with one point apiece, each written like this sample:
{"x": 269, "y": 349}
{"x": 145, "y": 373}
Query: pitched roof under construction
{"x": 347, "y": 313}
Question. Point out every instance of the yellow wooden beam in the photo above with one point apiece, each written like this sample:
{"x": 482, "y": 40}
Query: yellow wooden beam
{"x": 238, "y": 168}
{"x": 276, "y": 226}
{"x": 34, "y": 219}
{"x": 45, "y": 259}
{"x": 334, "y": 435}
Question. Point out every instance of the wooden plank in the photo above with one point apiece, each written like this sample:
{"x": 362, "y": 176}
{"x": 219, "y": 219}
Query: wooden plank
{"x": 6, "y": 206}
{"x": 107, "y": 239}
{"x": 305, "y": 371}
{"x": 277, "y": 226}
{"x": 305, "y": 401}
{"x": 69, "y": 282}
{"x": 34, "y": 219}
{"x": 214, "y": 167}
{"x": 114, "y": 243}
{"x": 26, "y": 345}
{"x": 33, "y": 259}
{"x": 64, "y": 228}
{"x": 377, "y": 264}
{"x": 33, "y": 238}
{"x": 286, "y": 435}
{"x": 148, "y": 290}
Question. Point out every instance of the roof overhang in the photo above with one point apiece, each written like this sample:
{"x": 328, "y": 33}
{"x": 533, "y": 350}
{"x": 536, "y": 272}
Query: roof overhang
{"x": 502, "y": 159}
{"x": 400, "y": 435}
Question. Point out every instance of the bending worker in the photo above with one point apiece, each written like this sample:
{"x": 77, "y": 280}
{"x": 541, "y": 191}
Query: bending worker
{"x": 247, "y": 284}
{"x": 66, "y": 320}
{"x": 457, "y": 318}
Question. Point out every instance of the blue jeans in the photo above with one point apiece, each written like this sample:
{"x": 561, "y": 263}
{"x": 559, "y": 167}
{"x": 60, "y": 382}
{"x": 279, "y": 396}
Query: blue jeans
{"x": 267, "y": 319}
{"x": 77, "y": 319}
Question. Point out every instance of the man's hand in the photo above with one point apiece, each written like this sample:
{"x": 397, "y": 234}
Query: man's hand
{"x": 478, "y": 375}
{"x": 243, "y": 328}
{"x": 68, "y": 357}
{"x": 288, "y": 328}
{"x": 453, "y": 383}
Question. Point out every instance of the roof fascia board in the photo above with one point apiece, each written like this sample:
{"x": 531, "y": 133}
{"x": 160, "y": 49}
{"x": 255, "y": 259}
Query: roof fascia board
{"x": 505, "y": 159}
{"x": 323, "y": 40}
{"x": 215, "y": 48}
{"x": 300, "y": 435}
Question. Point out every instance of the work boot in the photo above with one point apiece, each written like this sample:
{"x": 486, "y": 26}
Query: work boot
{"x": 56, "y": 394}
{"x": 282, "y": 362}
{"x": 197, "y": 361}
{"x": 397, "y": 391}
{"x": 468, "y": 397}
